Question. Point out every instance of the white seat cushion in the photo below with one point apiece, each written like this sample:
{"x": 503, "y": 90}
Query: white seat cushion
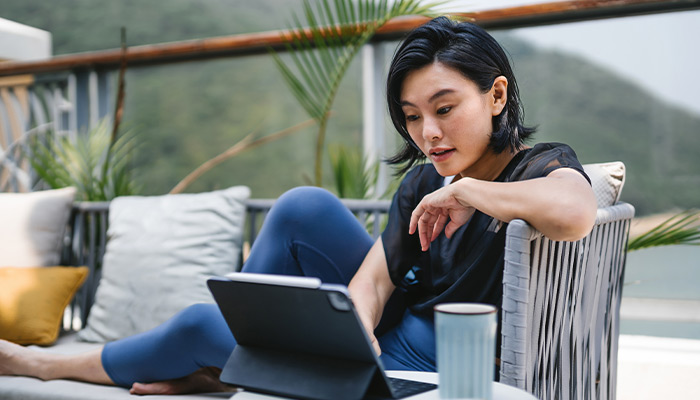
{"x": 32, "y": 227}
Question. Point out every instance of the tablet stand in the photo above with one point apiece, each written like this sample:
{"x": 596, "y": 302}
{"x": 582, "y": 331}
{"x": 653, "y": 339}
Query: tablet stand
{"x": 300, "y": 375}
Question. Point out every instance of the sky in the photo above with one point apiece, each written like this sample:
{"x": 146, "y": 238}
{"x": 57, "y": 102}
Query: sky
{"x": 659, "y": 52}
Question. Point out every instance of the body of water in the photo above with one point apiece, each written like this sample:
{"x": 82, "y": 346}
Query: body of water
{"x": 667, "y": 272}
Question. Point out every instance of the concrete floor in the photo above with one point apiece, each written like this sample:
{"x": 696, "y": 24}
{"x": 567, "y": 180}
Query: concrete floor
{"x": 658, "y": 368}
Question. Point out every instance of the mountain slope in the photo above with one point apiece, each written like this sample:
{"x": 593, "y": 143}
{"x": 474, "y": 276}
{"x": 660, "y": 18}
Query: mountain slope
{"x": 187, "y": 113}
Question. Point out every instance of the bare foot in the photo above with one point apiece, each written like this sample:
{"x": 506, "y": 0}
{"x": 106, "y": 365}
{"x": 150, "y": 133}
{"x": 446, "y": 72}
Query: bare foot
{"x": 15, "y": 359}
{"x": 19, "y": 360}
{"x": 205, "y": 380}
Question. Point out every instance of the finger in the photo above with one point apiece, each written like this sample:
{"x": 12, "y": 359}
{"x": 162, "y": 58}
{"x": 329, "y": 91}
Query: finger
{"x": 439, "y": 225}
{"x": 451, "y": 228}
{"x": 424, "y": 238}
{"x": 425, "y": 230}
{"x": 415, "y": 217}
{"x": 377, "y": 349}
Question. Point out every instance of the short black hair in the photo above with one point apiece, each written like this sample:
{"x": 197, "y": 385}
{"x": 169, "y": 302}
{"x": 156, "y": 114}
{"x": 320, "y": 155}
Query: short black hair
{"x": 469, "y": 49}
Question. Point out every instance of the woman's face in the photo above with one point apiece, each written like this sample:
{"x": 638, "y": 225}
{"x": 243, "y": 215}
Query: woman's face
{"x": 449, "y": 118}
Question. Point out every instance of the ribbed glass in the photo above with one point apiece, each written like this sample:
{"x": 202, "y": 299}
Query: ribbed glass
{"x": 465, "y": 342}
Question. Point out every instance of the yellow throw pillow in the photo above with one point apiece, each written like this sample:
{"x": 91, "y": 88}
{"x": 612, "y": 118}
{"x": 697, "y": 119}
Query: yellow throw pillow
{"x": 32, "y": 301}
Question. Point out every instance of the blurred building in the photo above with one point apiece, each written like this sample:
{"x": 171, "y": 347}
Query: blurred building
{"x": 23, "y": 43}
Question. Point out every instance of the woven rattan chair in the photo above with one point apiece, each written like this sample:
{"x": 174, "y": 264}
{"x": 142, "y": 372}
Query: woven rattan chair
{"x": 561, "y": 307}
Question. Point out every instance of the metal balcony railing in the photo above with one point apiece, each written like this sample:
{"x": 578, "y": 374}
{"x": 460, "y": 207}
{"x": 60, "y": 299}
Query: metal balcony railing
{"x": 70, "y": 93}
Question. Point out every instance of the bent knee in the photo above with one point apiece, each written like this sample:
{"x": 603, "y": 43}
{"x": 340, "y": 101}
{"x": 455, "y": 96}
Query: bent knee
{"x": 303, "y": 203}
{"x": 195, "y": 320}
{"x": 305, "y": 194}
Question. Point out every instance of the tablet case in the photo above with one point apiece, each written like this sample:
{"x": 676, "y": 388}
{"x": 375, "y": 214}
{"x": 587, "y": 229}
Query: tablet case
{"x": 302, "y": 342}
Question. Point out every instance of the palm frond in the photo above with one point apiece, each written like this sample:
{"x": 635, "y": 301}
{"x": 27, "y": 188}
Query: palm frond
{"x": 322, "y": 49}
{"x": 297, "y": 88}
{"x": 354, "y": 176}
{"x": 682, "y": 228}
{"x": 99, "y": 169}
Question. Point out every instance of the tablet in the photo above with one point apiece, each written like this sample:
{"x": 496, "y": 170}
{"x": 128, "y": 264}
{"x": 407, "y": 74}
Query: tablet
{"x": 301, "y": 338}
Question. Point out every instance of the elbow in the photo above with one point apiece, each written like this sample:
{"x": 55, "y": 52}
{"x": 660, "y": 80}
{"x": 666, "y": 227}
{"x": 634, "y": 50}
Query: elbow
{"x": 571, "y": 209}
{"x": 575, "y": 221}
{"x": 578, "y": 225}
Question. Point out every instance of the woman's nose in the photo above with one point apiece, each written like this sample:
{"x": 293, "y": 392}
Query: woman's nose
{"x": 431, "y": 130}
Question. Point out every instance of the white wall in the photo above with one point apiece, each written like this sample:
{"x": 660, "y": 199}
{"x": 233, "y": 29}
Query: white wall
{"x": 23, "y": 43}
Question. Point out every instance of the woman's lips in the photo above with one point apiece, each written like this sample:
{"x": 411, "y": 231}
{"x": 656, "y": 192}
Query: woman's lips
{"x": 441, "y": 155}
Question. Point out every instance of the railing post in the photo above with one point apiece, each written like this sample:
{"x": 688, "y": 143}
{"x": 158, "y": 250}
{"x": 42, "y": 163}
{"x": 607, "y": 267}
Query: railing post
{"x": 90, "y": 95}
{"x": 373, "y": 109}
{"x": 80, "y": 98}
{"x": 14, "y": 119}
{"x": 105, "y": 100}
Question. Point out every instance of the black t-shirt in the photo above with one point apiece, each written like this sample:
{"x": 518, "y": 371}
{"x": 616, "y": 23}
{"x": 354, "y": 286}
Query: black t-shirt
{"x": 468, "y": 267}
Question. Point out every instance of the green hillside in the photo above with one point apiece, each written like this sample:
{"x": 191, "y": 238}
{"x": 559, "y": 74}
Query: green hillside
{"x": 605, "y": 117}
{"x": 187, "y": 113}
{"x": 86, "y": 25}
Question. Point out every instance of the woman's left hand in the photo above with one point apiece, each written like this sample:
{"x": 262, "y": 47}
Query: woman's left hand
{"x": 437, "y": 211}
{"x": 561, "y": 205}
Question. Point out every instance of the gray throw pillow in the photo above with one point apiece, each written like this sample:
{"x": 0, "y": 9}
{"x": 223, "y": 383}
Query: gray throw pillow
{"x": 160, "y": 252}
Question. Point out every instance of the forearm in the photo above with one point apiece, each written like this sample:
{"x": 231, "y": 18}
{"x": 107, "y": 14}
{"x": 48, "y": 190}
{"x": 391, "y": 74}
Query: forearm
{"x": 562, "y": 206}
{"x": 371, "y": 288}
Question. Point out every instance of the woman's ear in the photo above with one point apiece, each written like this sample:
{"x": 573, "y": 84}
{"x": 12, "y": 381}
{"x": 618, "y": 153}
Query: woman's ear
{"x": 499, "y": 95}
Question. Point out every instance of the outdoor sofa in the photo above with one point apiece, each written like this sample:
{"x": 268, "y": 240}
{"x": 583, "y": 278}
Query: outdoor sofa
{"x": 148, "y": 257}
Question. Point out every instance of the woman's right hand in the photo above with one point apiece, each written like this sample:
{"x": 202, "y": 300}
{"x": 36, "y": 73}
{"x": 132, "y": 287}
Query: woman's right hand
{"x": 370, "y": 289}
{"x": 369, "y": 328}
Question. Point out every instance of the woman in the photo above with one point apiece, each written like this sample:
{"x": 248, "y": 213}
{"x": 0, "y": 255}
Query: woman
{"x": 453, "y": 98}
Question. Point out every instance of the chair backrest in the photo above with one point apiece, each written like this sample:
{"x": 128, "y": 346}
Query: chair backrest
{"x": 560, "y": 313}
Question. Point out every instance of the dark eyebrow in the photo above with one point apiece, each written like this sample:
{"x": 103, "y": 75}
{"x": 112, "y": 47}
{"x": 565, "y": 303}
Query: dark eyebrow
{"x": 432, "y": 98}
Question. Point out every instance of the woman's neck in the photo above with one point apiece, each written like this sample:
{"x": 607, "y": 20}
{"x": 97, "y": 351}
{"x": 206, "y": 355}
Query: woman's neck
{"x": 489, "y": 166}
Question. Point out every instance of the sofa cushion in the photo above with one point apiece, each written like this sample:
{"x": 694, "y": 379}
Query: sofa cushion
{"x": 24, "y": 388}
{"x": 32, "y": 301}
{"x": 33, "y": 225}
{"x": 607, "y": 180}
{"x": 160, "y": 252}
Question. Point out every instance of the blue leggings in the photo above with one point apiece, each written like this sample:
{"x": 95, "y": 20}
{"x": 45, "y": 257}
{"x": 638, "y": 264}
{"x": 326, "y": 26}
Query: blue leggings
{"x": 308, "y": 232}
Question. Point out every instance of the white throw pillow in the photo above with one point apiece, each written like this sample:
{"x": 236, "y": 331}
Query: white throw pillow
{"x": 32, "y": 226}
{"x": 160, "y": 252}
{"x": 607, "y": 180}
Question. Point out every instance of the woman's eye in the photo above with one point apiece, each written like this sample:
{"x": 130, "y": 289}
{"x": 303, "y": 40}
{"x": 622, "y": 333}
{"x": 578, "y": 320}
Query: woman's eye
{"x": 411, "y": 117}
{"x": 443, "y": 110}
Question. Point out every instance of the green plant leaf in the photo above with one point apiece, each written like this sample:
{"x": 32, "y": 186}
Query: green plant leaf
{"x": 682, "y": 228}
{"x": 98, "y": 169}
{"x": 354, "y": 176}
{"x": 338, "y": 29}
